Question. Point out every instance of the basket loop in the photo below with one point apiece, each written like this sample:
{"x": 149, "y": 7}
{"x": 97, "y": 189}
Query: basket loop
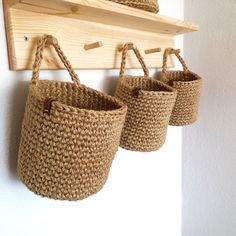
{"x": 50, "y": 40}
{"x": 136, "y": 91}
{"x": 125, "y": 49}
{"x": 170, "y": 51}
{"x": 47, "y": 105}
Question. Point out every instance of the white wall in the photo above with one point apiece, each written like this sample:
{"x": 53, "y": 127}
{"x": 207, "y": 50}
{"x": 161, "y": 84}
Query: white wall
{"x": 209, "y": 146}
{"x": 141, "y": 197}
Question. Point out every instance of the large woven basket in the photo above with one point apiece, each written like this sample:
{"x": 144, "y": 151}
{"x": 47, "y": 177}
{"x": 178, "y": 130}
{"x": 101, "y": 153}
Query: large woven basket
{"x": 188, "y": 85}
{"x": 70, "y": 134}
{"x": 146, "y": 5}
{"x": 150, "y": 103}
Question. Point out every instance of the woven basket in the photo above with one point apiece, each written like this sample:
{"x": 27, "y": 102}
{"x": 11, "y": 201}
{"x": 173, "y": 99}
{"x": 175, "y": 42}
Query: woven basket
{"x": 146, "y": 5}
{"x": 70, "y": 134}
{"x": 188, "y": 85}
{"x": 149, "y": 102}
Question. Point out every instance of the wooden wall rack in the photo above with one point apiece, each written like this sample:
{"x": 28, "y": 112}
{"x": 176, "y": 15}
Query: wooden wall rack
{"x": 90, "y": 32}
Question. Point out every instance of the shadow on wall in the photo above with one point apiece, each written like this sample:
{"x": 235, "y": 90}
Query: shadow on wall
{"x": 16, "y": 113}
{"x": 157, "y": 74}
{"x": 109, "y": 84}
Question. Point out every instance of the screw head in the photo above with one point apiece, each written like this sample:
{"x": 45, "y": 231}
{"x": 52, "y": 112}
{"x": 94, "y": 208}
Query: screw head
{"x": 26, "y": 38}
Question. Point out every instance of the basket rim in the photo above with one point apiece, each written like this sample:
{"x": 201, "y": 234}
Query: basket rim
{"x": 121, "y": 107}
{"x": 168, "y": 89}
{"x": 196, "y": 76}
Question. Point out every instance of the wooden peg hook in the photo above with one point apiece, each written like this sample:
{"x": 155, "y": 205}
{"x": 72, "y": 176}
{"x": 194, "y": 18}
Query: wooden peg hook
{"x": 52, "y": 40}
{"x": 173, "y": 51}
{"x": 90, "y": 46}
{"x": 130, "y": 47}
{"x": 152, "y": 50}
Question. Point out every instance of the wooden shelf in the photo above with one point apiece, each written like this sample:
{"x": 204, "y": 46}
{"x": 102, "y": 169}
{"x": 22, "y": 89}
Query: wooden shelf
{"x": 77, "y": 22}
{"x": 108, "y": 13}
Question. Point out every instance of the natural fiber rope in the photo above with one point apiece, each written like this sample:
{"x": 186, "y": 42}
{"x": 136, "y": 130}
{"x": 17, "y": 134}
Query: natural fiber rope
{"x": 138, "y": 55}
{"x": 168, "y": 52}
{"x": 146, "y": 5}
{"x": 50, "y": 40}
{"x": 188, "y": 85}
{"x": 149, "y": 102}
{"x": 70, "y": 134}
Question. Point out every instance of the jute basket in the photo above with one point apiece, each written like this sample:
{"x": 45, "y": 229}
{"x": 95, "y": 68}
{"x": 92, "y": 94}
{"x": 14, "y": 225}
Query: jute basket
{"x": 188, "y": 85}
{"x": 150, "y": 103}
{"x": 146, "y": 5}
{"x": 70, "y": 134}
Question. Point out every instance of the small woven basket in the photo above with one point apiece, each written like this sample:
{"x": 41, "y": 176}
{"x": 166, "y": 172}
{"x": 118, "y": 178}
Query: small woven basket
{"x": 146, "y": 5}
{"x": 150, "y": 103}
{"x": 70, "y": 134}
{"x": 188, "y": 85}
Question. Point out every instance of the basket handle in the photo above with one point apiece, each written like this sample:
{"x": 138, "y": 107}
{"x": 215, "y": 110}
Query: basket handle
{"x": 50, "y": 40}
{"x": 168, "y": 52}
{"x": 125, "y": 49}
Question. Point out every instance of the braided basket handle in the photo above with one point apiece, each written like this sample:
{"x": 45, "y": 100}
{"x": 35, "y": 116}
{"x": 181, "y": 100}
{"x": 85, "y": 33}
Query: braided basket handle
{"x": 43, "y": 41}
{"x": 125, "y": 49}
{"x": 168, "y": 52}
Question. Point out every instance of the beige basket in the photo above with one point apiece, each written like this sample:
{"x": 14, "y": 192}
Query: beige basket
{"x": 70, "y": 134}
{"x": 188, "y": 85}
{"x": 146, "y": 5}
{"x": 150, "y": 103}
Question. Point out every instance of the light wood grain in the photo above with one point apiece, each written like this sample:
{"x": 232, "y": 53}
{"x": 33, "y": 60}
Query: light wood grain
{"x": 72, "y": 35}
{"x": 91, "y": 46}
{"x": 107, "y": 12}
{"x": 77, "y": 23}
{"x": 9, "y": 35}
{"x": 152, "y": 50}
